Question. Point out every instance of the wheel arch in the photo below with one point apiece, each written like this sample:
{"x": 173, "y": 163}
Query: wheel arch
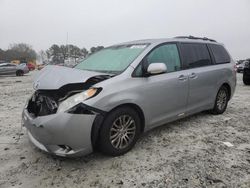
{"x": 228, "y": 88}
{"x": 100, "y": 118}
{"x": 137, "y": 109}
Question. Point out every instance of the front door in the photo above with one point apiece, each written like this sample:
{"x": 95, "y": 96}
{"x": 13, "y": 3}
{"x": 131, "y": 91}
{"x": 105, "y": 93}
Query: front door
{"x": 165, "y": 94}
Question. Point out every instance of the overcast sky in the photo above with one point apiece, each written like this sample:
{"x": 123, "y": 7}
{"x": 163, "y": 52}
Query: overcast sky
{"x": 42, "y": 23}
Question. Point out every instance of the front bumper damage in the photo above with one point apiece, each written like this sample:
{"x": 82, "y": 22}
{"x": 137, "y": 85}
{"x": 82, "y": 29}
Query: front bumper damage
{"x": 62, "y": 134}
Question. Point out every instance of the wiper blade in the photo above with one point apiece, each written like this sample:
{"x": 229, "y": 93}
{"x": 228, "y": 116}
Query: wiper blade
{"x": 109, "y": 72}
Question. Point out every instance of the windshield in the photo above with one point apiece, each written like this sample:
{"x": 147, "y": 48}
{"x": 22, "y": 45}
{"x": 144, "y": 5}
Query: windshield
{"x": 113, "y": 59}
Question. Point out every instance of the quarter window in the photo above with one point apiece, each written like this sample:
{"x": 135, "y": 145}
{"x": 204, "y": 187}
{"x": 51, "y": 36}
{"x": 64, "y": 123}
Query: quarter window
{"x": 167, "y": 54}
{"x": 220, "y": 54}
{"x": 195, "y": 55}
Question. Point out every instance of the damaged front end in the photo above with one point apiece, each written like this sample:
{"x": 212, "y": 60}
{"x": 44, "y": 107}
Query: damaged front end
{"x": 52, "y": 118}
{"x": 46, "y": 102}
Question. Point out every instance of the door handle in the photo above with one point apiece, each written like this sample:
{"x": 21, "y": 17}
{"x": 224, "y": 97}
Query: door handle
{"x": 182, "y": 77}
{"x": 192, "y": 76}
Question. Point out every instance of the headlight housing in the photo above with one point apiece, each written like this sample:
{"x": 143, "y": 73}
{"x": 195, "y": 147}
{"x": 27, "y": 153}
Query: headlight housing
{"x": 77, "y": 98}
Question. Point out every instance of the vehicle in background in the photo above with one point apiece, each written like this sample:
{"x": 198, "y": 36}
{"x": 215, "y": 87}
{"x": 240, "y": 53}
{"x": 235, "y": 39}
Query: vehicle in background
{"x": 70, "y": 62}
{"x": 31, "y": 66}
{"x": 41, "y": 66}
{"x": 3, "y": 62}
{"x": 240, "y": 67}
{"x": 246, "y": 73}
{"x": 110, "y": 98}
{"x": 13, "y": 69}
{"x": 239, "y": 62}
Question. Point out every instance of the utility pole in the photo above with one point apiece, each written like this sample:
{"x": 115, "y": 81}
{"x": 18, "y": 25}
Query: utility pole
{"x": 67, "y": 47}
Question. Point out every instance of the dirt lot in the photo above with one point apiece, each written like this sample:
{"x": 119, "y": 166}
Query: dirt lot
{"x": 186, "y": 153}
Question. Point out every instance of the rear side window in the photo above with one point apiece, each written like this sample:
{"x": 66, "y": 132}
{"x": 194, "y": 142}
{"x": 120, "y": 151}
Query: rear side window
{"x": 195, "y": 55}
{"x": 220, "y": 54}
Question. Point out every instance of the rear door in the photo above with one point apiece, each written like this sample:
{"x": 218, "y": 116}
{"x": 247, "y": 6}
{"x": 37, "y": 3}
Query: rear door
{"x": 202, "y": 80}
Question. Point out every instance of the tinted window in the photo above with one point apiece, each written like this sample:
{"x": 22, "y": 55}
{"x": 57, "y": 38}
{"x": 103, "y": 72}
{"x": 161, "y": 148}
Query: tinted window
{"x": 10, "y": 65}
{"x": 6, "y": 65}
{"x": 195, "y": 55}
{"x": 220, "y": 54}
{"x": 167, "y": 54}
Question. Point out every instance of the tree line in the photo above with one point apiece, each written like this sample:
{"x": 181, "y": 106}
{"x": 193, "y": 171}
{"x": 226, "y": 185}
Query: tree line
{"x": 59, "y": 54}
{"x": 55, "y": 54}
{"x": 18, "y": 52}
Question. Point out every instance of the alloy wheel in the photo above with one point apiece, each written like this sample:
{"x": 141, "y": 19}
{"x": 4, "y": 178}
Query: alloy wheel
{"x": 122, "y": 131}
{"x": 221, "y": 99}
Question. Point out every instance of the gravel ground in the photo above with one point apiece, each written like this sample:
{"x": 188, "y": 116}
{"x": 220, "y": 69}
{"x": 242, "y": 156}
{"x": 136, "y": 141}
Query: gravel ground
{"x": 186, "y": 153}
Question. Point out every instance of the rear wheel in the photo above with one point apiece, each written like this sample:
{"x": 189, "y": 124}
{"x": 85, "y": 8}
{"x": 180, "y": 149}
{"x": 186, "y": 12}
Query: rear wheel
{"x": 119, "y": 131}
{"x": 221, "y": 101}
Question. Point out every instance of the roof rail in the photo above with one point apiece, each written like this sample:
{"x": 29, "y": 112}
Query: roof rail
{"x": 192, "y": 37}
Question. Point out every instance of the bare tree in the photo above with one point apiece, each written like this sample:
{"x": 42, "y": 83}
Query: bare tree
{"x": 22, "y": 51}
{"x": 84, "y": 52}
{"x": 43, "y": 57}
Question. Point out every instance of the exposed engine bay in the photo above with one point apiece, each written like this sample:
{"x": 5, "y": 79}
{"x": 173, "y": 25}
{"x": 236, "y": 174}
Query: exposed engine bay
{"x": 46, "y": 102}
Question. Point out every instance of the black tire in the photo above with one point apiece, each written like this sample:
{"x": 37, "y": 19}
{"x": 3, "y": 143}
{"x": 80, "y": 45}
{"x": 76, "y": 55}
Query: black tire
{"x": 246, "y": 80}
{"x": 221, "y": 101}
{"x": 109, "y": 125}
{"x": 19, "y": 73}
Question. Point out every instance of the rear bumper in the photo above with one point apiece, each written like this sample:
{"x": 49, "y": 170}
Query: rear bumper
{"x": 62, "y": 134}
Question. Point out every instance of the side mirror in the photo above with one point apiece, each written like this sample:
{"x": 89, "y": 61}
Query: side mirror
{"x": 157, "y": 68}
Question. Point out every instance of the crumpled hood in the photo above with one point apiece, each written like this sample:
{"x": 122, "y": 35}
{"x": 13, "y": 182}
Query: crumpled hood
{"x": 53, "y": 77}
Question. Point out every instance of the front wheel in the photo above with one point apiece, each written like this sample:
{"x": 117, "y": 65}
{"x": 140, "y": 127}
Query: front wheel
{"x": 119, "y": 131}
{"x": 221, "y": 101}
{"x": 19, "y": 73}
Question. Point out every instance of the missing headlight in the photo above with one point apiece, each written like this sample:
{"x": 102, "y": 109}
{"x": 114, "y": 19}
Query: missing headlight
{"x": 41, "y": 105}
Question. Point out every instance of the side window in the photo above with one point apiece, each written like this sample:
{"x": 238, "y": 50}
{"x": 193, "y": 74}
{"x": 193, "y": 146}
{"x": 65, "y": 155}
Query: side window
{"x": 167, "y": 54}
{"x": 195, "y": 55}
{"x": 10, "y": 65}
{"x": 6, "y": 65}
{"x": 220, "y": 54}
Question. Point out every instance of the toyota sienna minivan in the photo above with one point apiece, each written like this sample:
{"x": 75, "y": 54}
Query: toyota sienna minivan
{"x": 109, "y": 99}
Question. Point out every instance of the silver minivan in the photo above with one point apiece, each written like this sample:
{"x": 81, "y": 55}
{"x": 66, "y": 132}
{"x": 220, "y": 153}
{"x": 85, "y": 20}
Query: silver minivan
{"x": 110, "y": 98}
